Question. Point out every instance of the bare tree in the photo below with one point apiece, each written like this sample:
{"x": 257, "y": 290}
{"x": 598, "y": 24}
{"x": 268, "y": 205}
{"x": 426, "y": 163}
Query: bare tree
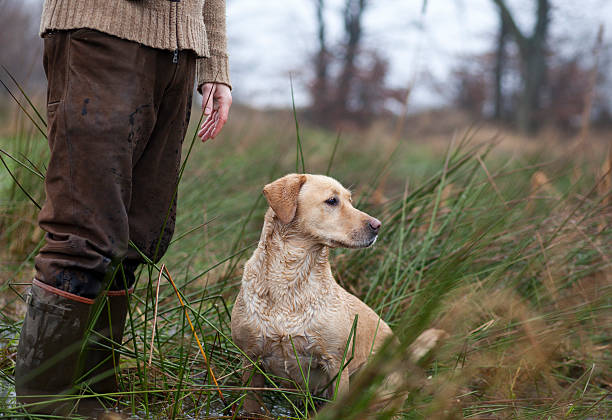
{"x": 349, "y": 80}
{"x": 320, "y": 86}
{"x": 500, "y": 61}
{"x": 353, "y": 13}
{"x": 532, "y": 51}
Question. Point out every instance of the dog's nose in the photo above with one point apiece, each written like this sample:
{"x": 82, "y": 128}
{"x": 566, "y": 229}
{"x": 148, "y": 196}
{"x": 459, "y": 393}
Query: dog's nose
{"x": 374, "y": 225}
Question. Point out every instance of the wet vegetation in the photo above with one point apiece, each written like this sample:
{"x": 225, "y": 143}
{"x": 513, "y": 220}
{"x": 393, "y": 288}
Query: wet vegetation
{"x": 506, "y": 247}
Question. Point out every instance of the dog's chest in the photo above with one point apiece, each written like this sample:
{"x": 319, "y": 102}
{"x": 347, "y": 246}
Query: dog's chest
{"x": 286, "y": 315}
{"x": 288, "y": 325}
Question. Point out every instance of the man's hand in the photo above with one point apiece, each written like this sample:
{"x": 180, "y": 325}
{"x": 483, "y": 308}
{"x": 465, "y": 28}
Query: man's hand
{"x": 216, "y": 102}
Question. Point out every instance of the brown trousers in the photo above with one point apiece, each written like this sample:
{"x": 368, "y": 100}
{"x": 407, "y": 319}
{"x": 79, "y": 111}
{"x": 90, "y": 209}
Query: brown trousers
{"x": 117, "y": 115}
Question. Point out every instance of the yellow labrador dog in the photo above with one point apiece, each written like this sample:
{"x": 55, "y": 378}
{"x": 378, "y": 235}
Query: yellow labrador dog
{"x": 289, "y": 303}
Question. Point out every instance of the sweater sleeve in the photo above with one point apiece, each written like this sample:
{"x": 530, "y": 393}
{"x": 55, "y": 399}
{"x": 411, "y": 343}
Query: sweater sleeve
{"x": 216, "y": 67}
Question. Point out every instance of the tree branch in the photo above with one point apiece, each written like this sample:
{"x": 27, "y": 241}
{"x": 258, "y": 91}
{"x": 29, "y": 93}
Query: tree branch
{"x": 541, "y": 26}
{"x": 521, "y": 39}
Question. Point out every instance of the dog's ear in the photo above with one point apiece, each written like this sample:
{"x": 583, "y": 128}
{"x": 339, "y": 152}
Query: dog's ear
{"x": 282, "y": 195}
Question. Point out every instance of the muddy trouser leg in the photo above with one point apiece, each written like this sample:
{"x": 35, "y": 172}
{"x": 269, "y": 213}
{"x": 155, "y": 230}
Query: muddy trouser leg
{"x": 106, "y": 102}
{"x": 151, "y": 215}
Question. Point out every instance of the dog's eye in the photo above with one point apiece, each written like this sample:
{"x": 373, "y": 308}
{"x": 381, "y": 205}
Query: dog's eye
{"x": 331, "y": 201}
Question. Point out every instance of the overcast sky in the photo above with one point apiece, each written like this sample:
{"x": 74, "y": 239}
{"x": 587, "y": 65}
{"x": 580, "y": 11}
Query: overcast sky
{"x": 269, "y": 39}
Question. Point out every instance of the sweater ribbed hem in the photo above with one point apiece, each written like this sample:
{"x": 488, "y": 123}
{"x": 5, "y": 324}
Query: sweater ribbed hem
{"x": 154, "y": 27}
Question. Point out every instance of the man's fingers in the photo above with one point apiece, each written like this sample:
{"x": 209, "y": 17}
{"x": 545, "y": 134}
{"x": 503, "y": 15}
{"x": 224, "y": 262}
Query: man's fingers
{"x": 223, "y": 112}
{"x": 207, "y": 126}
{"x": 204, "y": 133}
{"x": 210, "y": 131}
{"x": 208, "y": 118}
{"x": 207, "y": 131}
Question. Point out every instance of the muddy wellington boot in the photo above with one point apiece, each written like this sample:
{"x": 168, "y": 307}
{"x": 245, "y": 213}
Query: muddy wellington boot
{"x": 101, "y": 360}
{"x": 48, "y": 354}
{"x": 102, "y": 355}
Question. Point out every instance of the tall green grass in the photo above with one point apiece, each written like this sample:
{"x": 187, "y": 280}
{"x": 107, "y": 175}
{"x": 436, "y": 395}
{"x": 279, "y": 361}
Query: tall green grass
{"x": 515, "y": 270}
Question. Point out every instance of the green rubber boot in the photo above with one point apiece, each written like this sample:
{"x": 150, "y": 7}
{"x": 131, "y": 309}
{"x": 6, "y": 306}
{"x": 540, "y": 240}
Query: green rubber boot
{"x": 48, "y": 354}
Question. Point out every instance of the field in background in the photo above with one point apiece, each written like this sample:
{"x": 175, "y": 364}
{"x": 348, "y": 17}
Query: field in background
{"x": 506, "y": 247}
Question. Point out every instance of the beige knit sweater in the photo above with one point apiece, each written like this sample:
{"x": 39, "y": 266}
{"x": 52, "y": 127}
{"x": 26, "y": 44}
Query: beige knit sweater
{"x": 197, "y": 25}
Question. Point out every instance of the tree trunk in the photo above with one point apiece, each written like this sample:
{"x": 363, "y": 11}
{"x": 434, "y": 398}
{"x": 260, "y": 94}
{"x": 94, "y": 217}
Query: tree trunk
{"x": 534, "y": 75}
{"x": 532, "y": 51}
{"x": 500, "y": 57}
{"x": 353, "y": 13}
{"x": 534, "y": 71}
{"x": 320, "y": 88}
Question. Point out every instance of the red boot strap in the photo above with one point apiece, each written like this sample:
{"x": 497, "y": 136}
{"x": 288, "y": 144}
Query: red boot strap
{"x": 62, "y": 293}
{"x": 120, "y": 292}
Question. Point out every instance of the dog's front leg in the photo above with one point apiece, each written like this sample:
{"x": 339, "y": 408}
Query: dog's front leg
{"x": 343, "y": 386}
{"x": 254, "y": 379}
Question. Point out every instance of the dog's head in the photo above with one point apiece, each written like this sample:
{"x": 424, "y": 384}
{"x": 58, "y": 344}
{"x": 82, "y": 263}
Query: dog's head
{"x": 319, "y": 207}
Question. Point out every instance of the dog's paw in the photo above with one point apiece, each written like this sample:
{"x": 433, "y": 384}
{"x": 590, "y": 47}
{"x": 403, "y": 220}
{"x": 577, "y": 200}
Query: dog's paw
{"x": 253, "y": 408}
